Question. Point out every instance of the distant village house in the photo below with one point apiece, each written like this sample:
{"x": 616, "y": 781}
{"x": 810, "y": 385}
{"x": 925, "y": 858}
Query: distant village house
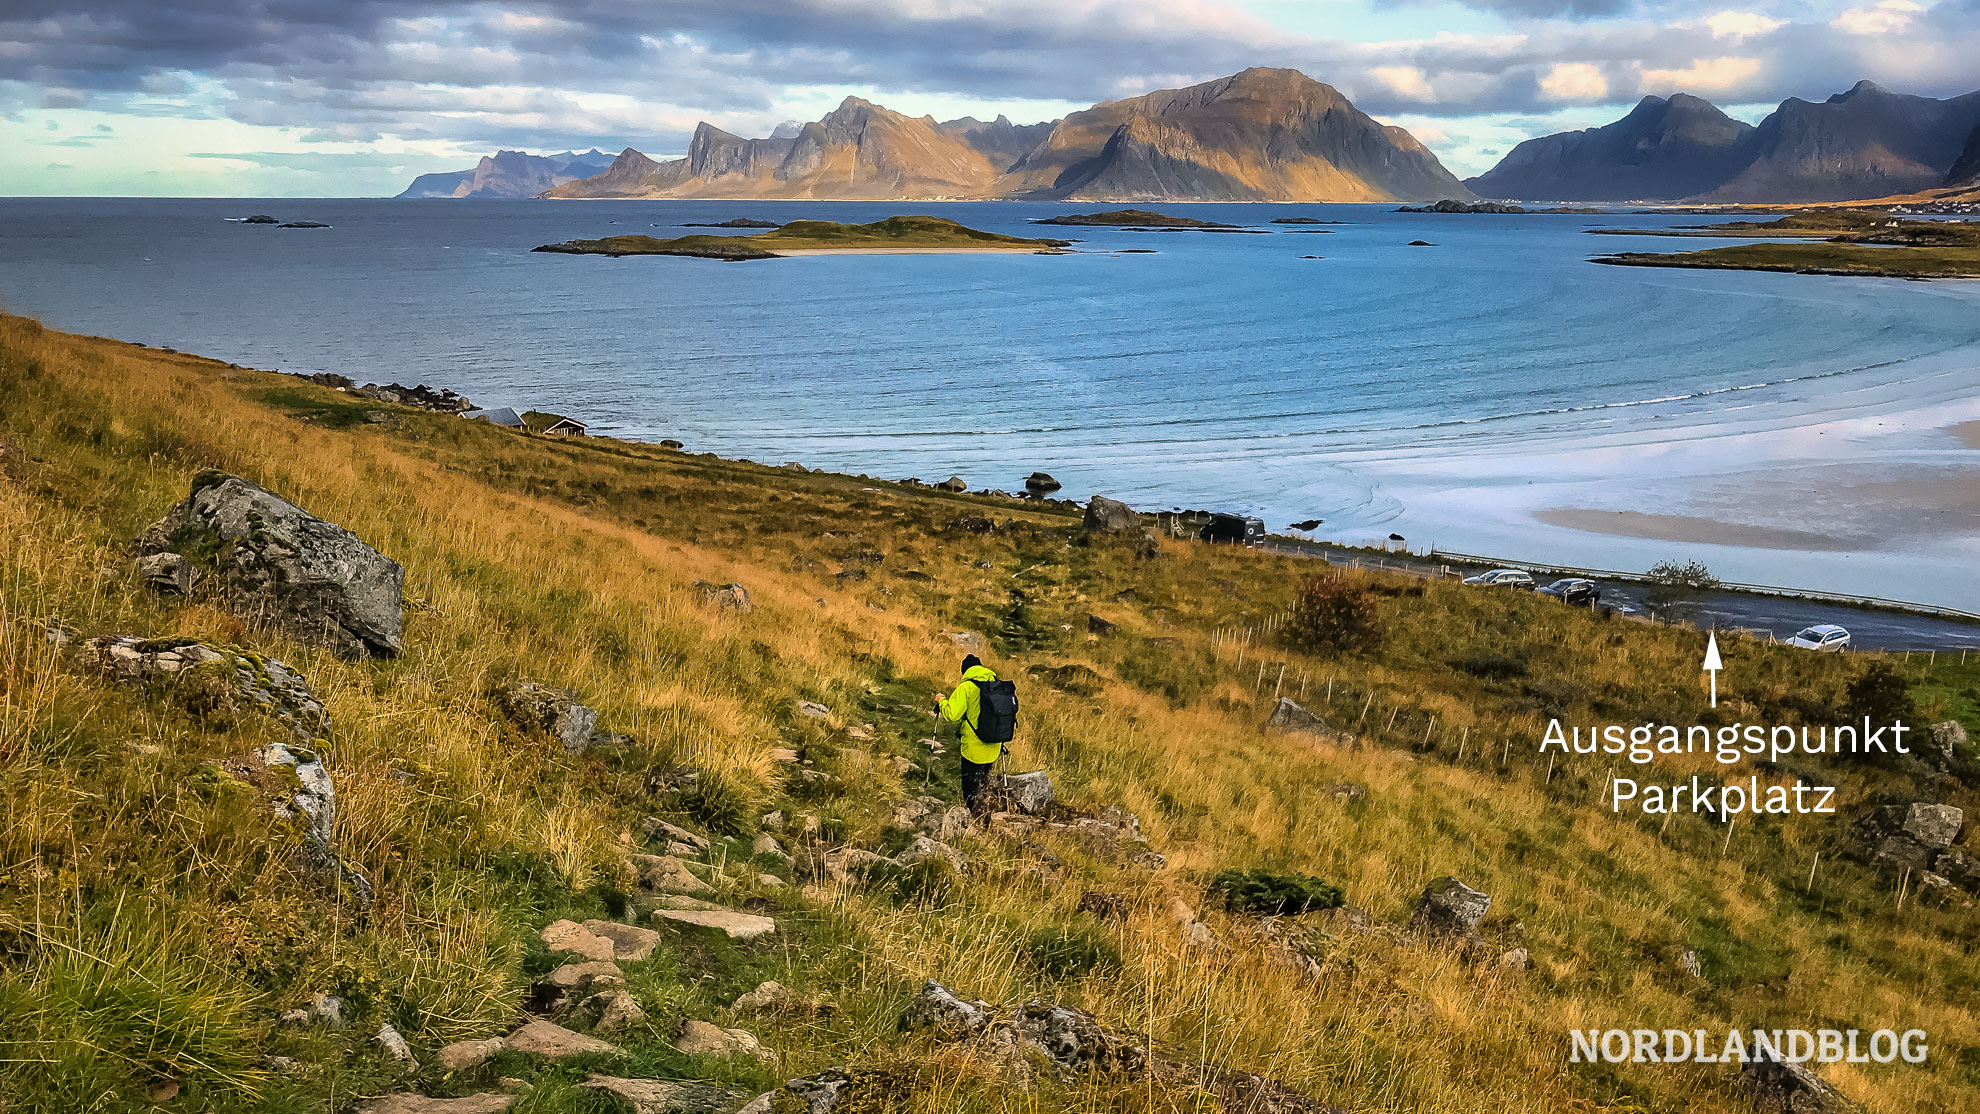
{"x": 532, "y": 421}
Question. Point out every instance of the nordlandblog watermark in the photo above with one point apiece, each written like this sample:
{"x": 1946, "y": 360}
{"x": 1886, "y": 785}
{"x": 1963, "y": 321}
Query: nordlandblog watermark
{"x": 1793, "y": 1046}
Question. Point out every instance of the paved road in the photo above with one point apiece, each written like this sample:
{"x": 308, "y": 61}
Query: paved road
{"x": 1781, "y": 616}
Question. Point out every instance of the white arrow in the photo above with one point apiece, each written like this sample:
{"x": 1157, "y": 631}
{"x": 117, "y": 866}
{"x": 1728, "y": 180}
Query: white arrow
{"x": 1713, "y": 664}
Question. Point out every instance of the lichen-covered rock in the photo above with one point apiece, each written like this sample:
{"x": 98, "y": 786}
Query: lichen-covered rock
{"x": 265, "y": 684}
{"x": 1448, "y": 907}
{"x": 278, "y": 564}
{"x": 700, "y": 1038}
{"x": 304, "y": 795}
{"x": 555, "y": 712}
{"x": 841, "y": 1090}
{"x": 670, "y": 1096}
{"x": 1076, "y": 1042}
{"x": 1790, "y": 1089}
{"x": 937, "y": 1007}
{"x": 169, "y": 573}
{"x": 395, "y": 1046}
{"x": 1943, "y": 742}
{"x": 1029, "y": 793}
{"x": 1935, "y": 826}
{"x": 292, "y": 774}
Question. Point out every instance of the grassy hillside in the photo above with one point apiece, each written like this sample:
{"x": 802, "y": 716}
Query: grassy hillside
{"x": 154, "y": 923}
{"x": 892, "y": 234}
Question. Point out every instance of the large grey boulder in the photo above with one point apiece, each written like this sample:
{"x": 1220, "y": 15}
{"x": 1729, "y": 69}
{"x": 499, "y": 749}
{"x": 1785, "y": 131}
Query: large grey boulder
{"x": 1935, "y": 826}
{"x": 1108, "y": 516}
{"x": 277, "y": 564}
{"x": 1448, "y": 907}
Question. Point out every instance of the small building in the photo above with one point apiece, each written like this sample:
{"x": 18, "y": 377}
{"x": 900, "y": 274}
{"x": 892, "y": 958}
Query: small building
{"x": 552, "y": 425}
{"x": 504, "y": 416}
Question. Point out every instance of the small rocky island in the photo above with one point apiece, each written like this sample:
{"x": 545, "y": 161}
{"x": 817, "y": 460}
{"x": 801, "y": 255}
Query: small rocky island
{"x": 1851, "y": 243}
{"x": 734, "y": 222}
{"x": 1130, "y": 218}
{"x": 895, "y": 235}
{"x": 1498, "y": 207}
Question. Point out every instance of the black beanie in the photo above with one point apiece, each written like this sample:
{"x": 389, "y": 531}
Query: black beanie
{"x": 971, "y": 661}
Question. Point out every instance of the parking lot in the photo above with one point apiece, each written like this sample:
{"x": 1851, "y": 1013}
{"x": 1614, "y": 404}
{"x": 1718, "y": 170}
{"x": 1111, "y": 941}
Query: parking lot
{"x": 1763, "y": 615}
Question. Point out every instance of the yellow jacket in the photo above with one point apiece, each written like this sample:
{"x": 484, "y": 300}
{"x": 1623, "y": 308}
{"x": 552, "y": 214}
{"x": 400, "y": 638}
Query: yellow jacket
{"x": 963, "y": 706}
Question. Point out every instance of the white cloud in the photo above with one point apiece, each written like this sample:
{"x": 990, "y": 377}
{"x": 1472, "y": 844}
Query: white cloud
{"x": 1739, "y": 25}
{"x": 1702, "y": 76}
{"x": 1574, "y": 81}
{"x": 1405, "y": 81}
{"x": 1886, "y": 17}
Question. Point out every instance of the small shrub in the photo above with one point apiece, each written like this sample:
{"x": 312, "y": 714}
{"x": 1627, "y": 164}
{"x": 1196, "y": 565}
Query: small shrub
{"x": 1675, "y": 587}
{"x": 1271, "y": 893}
{"x": 721, "y": 802}
{"x": 1881, "y": 693}
{"x": 1071, "y": 951}
{"x": 1332, "y": 616}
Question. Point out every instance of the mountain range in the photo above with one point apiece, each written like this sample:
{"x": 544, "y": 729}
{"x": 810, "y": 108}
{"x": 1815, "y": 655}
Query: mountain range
{"x": 1259, "y": 135}
{"x": 510, "y": 174}
{"x": 1865, "y": 143}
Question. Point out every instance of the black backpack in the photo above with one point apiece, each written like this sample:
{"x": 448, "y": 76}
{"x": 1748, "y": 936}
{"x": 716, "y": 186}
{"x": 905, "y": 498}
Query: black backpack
{"x": 997, "y": 708}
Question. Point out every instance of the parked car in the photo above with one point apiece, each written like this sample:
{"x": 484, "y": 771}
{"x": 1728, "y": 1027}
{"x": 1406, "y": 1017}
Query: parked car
{"x": 1234, "y": 529}
{"x": 1574, "y": 590}
{"x": 1822, "y": 636}
{"x": 1503, "y": 578}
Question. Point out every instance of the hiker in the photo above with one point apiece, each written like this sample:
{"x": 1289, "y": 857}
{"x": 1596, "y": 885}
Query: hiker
{"x": 985, "y": 710}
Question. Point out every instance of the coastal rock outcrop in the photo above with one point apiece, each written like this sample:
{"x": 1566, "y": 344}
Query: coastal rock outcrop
{"x": 277, "y": 564}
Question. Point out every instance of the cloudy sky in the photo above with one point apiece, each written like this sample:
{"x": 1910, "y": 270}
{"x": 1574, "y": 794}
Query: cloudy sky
{"x": 353, "y": 97}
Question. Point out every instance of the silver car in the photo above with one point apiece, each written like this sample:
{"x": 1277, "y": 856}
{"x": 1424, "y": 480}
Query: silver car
{"x": 1822, "y": 636}
{"x": 1503, "y": 578}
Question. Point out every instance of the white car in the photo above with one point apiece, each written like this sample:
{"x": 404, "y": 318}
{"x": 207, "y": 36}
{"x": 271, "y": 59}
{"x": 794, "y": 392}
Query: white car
{"x": 1822, "y": 636}
{"x": 1503, "y": 578}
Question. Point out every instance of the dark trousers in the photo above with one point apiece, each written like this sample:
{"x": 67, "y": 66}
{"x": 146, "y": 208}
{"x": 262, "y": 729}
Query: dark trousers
{"x": 976, "y": 785}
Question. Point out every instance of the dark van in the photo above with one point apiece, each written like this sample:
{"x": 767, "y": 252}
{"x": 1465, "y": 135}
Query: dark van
{"x": 1233, "y": 529}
